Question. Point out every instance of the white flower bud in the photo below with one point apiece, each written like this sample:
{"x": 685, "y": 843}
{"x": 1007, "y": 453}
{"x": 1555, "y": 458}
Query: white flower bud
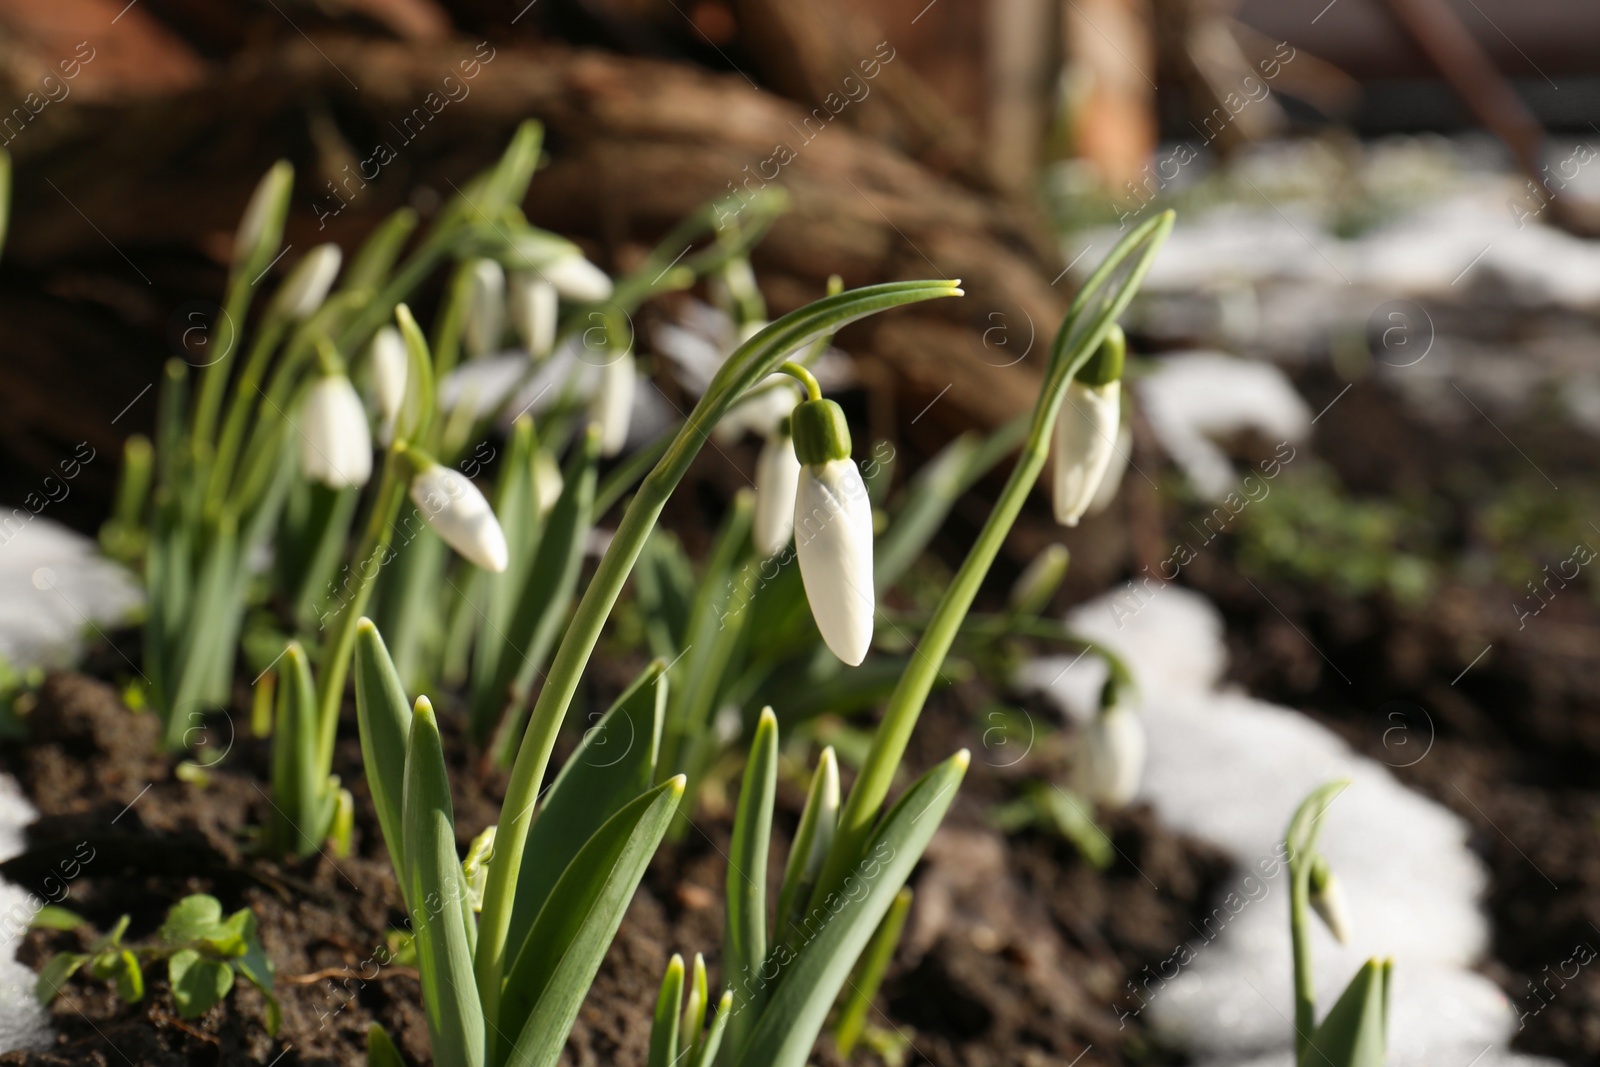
{"x": 1111, "y": 760}
{"x": 486, "y": 309}
{"x": 261, "y": 226}
{"x": 612, "y": 404}
{"x": 577, "y": 279}
{"x": 460, "y": 515}
{"x": 777, "y": 481}
{"x": 390, "y": 365}
{"x": 335, "y": 444}
{"x": 307, "y": 285}
{"x": 1085, "y": 436}
{"x": 535, "y": 308}
{"x": 1327, "y": 900}
{"x": 833, "y": 538}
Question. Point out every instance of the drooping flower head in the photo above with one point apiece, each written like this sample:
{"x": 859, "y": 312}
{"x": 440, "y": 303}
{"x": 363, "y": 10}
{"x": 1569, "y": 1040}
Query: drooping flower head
{"x": 833, "y": 530}
{"x": 1086, "y": 429}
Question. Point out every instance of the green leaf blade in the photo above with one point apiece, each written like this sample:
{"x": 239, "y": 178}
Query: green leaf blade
{"x": 558, "y": 959}
{"x": 444, "y": 956}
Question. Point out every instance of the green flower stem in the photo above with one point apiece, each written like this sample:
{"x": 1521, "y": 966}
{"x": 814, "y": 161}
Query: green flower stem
{"x": 804, "y": 377}
{"x": 750, "y": 363}
{"x": 243, "y": 399}
{"x": 1079, "y": 337}
{"x": 215, "y": 379}
{"x": 334, "y": 664}
{"x": 1300, "y": 842}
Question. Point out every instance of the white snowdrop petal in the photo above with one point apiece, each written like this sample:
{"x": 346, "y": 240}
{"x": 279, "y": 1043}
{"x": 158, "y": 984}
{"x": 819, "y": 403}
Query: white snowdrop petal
{"x": 461, "y": 516}
{"x": 833, "y": 538}
{"x": 777, "y": 481}
{"x": 612, "y": 404}
{"x": 335, "y": 443}
{"x": 1330, "y": 906}
{"x": 578, "y": 280}
{"x": 534, "y": 305}
{"x": 486, "y": 302}
{"x": 1112, "y": 757}
{"x": 1084, "y": 439}
{"x": 390, "y": 365}
{"x": 308, "y": 284}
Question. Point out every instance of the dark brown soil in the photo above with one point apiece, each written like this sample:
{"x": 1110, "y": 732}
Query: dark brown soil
{"x": 1016, "y": 952}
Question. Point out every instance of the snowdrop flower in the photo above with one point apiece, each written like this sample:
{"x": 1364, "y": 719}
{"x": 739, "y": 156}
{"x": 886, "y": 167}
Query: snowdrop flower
{"x": 612, "y": 404}
{"x": 335, "y": 444}
{"x": 577, "y": 279}
{"x": 534, "y": 305}
{"x": 777, "y": 482}
{"x": 1327, "y": 900}
{"x": 486, "y": 302}
{"x": 1111, "y": 761}
{"x": 390, "y": 365}
{"x": 1086, "y": 429}
{"x": 261, "y": 227}
{"x": 307, "y": 286}
{"x": 459, "y": 514}
{"x": 833, "y": 526}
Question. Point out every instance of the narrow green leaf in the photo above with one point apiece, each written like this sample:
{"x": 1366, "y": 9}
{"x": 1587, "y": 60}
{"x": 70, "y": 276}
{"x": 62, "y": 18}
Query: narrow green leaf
{"x": 613, "y": 764}
{"x": 54, "y": 974}
{"x": 744, "y": 940}
{"x": 811, "y": 840}
{"x": 297, "y": 827}
{"x": 384, "y": 715}
{"x": 372, "y": 265}
{"x": 1355, "y": 1032}
{"x": 694, "y": 1014}
{"x": 869, "y": 974}
{"x": 197, "y": 983}
{"x": 706, "y": 1054}
{"x": 834, "y": 931}
{"x": 444, "y": 958}
{"x": 666, "y": 586}
{"x": 669, "y": 1006}
{"x": 542, "y": 604}
{"x": 557, "y": 961}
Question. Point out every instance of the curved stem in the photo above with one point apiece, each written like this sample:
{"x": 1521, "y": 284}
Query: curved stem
{"x": 751, "y": 362}
{"x": 804, "y": 377}
{"x": 334, "y": 664}
{"x": 1080, "y": 335}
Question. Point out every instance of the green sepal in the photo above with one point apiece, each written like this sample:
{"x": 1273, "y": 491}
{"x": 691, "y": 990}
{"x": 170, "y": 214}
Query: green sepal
{"x": 820, "y": 432}
{"x": 1105, "y": 366}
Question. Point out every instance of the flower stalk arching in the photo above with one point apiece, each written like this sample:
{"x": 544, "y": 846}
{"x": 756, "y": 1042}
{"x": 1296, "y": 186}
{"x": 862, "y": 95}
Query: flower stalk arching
{"x": 1079, "y": 338}
{"x": 416, "y": 415}
{"x": 752, "y": 362}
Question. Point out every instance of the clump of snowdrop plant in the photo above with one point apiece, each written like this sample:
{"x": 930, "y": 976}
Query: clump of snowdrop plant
{"x": 1354, "y": 1032}
{"x": 509, "y": 942}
